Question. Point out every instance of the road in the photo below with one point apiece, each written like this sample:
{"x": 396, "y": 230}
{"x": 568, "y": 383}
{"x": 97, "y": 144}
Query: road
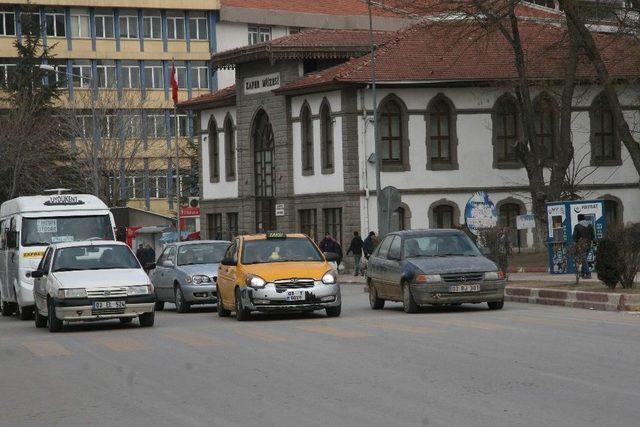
{"x": 526, "y": 365}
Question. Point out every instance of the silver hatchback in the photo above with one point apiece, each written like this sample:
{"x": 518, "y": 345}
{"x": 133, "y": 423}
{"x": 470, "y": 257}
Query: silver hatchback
{"x": 186, "y": 273}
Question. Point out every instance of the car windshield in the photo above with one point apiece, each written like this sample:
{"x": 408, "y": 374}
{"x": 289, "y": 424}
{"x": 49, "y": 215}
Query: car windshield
{"x": 102, "y": 257}
{"x": 291, "y": 249}
{"x": 64, "y": 229}
{"x": 439, "y": 245}
{"x": 203, "y": 253}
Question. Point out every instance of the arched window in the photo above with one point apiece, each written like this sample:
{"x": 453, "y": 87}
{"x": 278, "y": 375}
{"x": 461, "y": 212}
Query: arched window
{"x": 443, "y": 216}
{"x": 326, "y": 135}
{"x": 506, "y": 125}
{"x": 546, "y": 122}
{"x": 214, "y": 152}
{"x": 391, "y": 132}
{"x": 604, "y": 140}
{"x": 612, "y": 214}
{"x": 441, "y": 134}
{"x": 229, "y": 149}
{"x": 306, "y": 126}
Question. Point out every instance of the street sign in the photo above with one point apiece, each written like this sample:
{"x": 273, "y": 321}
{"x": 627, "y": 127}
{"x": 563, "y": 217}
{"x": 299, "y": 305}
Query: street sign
{"x": 280, "y": 209}
{"x": 189, "y": 211}
{"x": 525, "y": 222}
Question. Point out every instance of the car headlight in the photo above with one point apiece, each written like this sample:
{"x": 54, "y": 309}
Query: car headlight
{"x": 72, "y": 293}
{"x": 428, "y": 278}
{"x": 139, "y": 290}
{"x": 493, "y": 275}
{"x": 329, "y": 278}
{"x": 199, "y": 279}
{"x": 256, "y": 282}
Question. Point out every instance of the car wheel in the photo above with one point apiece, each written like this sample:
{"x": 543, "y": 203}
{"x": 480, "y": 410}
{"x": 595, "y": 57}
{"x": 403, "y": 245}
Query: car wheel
{"x": 222, "y": 312}
{"x": 181, "y": 305}
{"x": 408, "y": 303}
{"x": 334, "y": 311}
{"x": 496, "y": 305}
{"x": 375, "y": 302}
{"x": 24, "y": 313}
{"x": 40, "y": 320}
{"x": 126, "y": 320}
{"x": 147, "y": 319}
{"x": 159, "y": 305}
{"x": 242, "y": 314}
{"x": 55, "y": 324}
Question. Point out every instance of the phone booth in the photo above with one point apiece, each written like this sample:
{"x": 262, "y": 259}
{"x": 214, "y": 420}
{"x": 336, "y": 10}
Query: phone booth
{"x": 562, "y": 217}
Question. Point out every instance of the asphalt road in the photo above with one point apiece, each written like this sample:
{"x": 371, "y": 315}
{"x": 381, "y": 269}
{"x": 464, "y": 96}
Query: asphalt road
{"x": 526, "y": 365}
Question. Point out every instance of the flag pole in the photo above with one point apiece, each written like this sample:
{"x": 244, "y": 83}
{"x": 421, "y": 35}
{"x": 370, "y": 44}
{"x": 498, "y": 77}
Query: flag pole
{"x": 175, "y": 141}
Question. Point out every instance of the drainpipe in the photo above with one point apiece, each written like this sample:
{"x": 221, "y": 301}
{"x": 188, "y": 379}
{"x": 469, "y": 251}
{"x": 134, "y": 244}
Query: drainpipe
{"x": 362, "y": 141}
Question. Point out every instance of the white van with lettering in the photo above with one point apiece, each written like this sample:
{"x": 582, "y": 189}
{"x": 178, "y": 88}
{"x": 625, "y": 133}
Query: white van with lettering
{"x": 28, "y": 225}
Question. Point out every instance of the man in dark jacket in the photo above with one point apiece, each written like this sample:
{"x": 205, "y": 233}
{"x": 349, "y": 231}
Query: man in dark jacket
{"x": 370, "y": 244}
{"x": 329, "y": 244}
{"x": 583, "y": 231}
{"x": 356, "y": 248}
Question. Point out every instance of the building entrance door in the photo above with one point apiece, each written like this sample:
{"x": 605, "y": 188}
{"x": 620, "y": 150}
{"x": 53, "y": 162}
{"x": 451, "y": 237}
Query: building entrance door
{"x": 263, "y": 146}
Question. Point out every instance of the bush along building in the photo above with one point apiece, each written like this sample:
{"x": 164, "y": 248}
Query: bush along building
{"x": 290, "y": 146}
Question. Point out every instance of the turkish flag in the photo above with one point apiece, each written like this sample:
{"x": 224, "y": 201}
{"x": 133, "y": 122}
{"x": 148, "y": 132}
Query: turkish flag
{"x": 174, "y": 84}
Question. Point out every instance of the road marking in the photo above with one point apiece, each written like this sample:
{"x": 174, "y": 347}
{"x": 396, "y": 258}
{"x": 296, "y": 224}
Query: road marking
{"x": 121, "y": 344}
{"x": 340, "y": 333}
{"x": 472, "y": 324}
{"x": 46, "y": 348}
{"x": 262, "y": 335}
{"x": 192, "y": 339}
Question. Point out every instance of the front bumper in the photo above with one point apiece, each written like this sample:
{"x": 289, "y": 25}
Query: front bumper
{"x": 78, "y": 309}
{"x": 200, "y": 294}
{"x": 272, "y": 299}
{"x": 24, "y": 295}
{"x": 438, "y": 293}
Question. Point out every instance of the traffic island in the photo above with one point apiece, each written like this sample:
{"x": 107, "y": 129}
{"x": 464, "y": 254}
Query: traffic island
{"x": 601, "y": 300}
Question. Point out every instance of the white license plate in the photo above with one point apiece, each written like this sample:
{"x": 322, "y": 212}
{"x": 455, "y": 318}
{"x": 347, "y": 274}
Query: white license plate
{"x": 295, "y": 295}
{"x": 464, "y": 288}
{"x": 104, "y": 305}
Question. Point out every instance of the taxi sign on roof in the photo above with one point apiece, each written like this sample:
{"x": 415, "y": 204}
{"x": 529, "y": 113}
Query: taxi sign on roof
{"x": 276, "y": 235}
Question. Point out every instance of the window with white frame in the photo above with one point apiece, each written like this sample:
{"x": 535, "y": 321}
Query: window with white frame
{"x": 258, "y": 34}
{"x": 128, "y": 25}
{"x": 156, "y": 126}
{"x": 181, "y": 74}
{"x": 183, "y": 125}
{"x": 132, "y": 126}
{"x": 175, "y": 27}
{"x": 130, "y": 74}
{"x": 7, "y": 23}
{"x": 199, "y": 75}
{"x": 83, "y": 126}
{"x": 198, "y": 26}
{"x": 5, "y": 72}
{"x": 108, "y": 126}
{"x": 80, "y": 24}
{"x": 59, "y": 75}
{"x": 30, "y": 22}
{"x": 104, "y": 25}
{"x": 106, "y": 71}
{"x": 152, "y": 26}
{"x": 56, "y": 25}
{"x": 153, "y": 75}
{"x": 81, "y": 71}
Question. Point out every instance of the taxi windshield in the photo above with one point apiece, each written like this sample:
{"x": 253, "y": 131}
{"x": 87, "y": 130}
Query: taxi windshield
{"x": 103, "y": 257}
{"x": 201, "y": 253}
{"x": 292, "y": 249}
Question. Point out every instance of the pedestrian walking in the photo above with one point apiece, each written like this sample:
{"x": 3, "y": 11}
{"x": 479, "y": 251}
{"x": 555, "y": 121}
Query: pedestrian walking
{"x": 329, "y": 244}
{"x": 583, "y": 231}
{"x": 356, "y": 249}
{"x": 370, "y": 244}
{"x": 140, "y": 254}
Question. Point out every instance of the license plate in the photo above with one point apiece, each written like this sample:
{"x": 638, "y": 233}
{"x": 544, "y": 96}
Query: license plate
{"x": 103, "y": 305}
{"x": 464, "y": 288}
{"x": 295, "y": 295}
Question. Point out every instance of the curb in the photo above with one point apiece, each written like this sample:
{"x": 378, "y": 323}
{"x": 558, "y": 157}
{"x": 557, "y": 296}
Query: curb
{"x": 527, "y": 270}
{"x": 576, "y": 299}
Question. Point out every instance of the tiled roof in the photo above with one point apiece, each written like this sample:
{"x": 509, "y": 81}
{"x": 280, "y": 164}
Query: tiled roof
{"x": 221, "y": 98}
{"x": 464, "y": 52}
{"x": 328, "y": 7}
{"x": 315, "y": 43}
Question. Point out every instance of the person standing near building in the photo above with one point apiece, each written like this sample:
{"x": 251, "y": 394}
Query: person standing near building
{"x": 583, "y": 231}
{"x": 140, "y": 254}
{"x": 370, "y": 244}
{"x": 356, "y": 249}
{"x": 329, "y": 244}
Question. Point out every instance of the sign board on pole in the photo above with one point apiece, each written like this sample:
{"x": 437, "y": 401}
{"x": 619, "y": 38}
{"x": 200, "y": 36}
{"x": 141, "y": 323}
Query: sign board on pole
{"x": 525, "y": 222}
{"x": 189, "y": 211}
{"x": 280, "y": 209}
{"x": 480, "y": 213}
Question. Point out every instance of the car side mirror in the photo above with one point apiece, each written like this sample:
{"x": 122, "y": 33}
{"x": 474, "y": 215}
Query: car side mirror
{"x": 150, "y": 266}
{"x": 228, "y": 261}
{"x": 331, "y": 256}
{"x": 167, "y": 263}
{"x": 12, "y": 239}
{"x": 36, "y": 274}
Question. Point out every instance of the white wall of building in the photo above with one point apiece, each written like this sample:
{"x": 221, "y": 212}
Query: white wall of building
{"x": 223, "y": 189}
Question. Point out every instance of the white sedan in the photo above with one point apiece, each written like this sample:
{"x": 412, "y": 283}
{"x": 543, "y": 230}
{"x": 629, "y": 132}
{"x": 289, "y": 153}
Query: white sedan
{"x": 93, "y": 280}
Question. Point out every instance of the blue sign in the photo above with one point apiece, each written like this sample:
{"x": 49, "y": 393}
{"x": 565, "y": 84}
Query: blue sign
{"x": 480, "y": 213}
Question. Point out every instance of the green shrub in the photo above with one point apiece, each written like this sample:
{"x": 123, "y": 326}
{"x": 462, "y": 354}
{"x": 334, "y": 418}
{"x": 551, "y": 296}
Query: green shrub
{"x": 608, "y": 262}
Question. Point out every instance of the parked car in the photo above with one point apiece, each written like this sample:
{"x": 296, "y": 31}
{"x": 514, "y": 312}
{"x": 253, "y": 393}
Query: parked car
{"x": 186, "y": 273}
{"x": 93, "y": 280}
{"x": 439, "y": 267}
{"x": 277, "y": 272}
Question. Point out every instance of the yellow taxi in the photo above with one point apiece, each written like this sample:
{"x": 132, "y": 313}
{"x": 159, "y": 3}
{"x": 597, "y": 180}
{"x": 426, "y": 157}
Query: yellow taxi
{"x": 277, "y": 272}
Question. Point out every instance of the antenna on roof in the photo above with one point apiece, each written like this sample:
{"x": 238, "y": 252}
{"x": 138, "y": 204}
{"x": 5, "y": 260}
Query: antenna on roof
{"x": 57, "y": 191}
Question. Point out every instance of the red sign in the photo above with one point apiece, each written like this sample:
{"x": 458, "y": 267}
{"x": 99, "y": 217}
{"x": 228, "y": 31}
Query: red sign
{"x": 188, "y": 211}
